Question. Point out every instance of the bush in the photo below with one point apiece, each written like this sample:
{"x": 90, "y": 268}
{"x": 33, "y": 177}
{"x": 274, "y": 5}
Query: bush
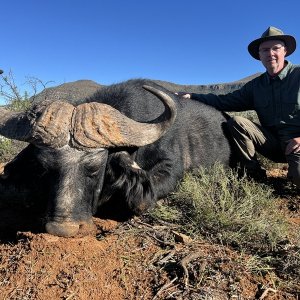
{"x": 15, "y": 101}
{"x": 5, "y": 148}
{"x": 19, "y": 104}
{"x": 218, "y": 205}
{"x": 9, "y": 149}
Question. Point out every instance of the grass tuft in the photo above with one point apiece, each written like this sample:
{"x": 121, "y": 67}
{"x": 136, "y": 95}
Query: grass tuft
{"x": 219, "y": 205}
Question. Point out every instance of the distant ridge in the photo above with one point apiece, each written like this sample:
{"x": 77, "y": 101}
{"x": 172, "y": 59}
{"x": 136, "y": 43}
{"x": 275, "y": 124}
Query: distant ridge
{"x": 217, "y": 88}
{"x": 72, "y": 92}
{"x": 76, "y": 91}
{"x": 248, "y": 78}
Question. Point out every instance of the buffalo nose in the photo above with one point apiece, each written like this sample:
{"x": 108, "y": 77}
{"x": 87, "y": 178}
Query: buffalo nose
{"x": 71, "y": 228}
{"x": 64, "y": 229}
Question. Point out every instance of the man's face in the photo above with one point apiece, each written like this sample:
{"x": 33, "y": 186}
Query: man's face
{"x": 272, "y": 54}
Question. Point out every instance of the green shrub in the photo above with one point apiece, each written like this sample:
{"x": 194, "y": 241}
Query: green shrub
{"x": 5, "y": 148}
{"x": 9, "y": 149}
{"x": 19, "y": 105}
{"x": 219, "y": 205}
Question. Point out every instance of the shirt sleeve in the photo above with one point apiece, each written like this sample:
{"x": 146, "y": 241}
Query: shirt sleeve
{"x": 239, "y": 100}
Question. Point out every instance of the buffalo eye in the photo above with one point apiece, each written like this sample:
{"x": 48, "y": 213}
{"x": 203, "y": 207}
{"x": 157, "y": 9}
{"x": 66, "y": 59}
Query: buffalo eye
{"x": 91, "y": 170}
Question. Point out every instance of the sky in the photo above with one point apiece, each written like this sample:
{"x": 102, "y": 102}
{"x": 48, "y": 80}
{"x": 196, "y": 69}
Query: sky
{"x": 185, "y": 42}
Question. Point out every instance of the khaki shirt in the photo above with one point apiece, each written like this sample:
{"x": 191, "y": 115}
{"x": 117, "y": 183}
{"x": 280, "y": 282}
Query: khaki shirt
{"x": 276, "y": 101}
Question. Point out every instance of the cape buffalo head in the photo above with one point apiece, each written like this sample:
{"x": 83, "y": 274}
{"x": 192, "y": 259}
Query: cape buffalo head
{"x": 71, "y": 143}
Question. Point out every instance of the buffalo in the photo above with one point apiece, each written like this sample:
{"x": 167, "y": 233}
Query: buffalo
{"x": 124, "y": 147}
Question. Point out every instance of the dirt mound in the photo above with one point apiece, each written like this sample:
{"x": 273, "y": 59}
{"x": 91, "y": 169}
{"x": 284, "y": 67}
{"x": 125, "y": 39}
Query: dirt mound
{"x": 115, "y": 267}
{"x": 138, "y": 259}
{"x": 133, "y": 260}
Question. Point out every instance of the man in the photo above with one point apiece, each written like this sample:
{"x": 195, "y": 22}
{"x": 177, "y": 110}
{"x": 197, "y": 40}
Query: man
{"x": 275, "y": 96}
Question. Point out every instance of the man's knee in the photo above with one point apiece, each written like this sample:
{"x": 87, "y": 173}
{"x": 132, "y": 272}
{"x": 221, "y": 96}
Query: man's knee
{"x": 296, "y": 181}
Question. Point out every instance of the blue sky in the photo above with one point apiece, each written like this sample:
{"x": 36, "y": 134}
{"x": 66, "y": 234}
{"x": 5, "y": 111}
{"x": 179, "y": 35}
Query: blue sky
{"x": 186, "y": 42}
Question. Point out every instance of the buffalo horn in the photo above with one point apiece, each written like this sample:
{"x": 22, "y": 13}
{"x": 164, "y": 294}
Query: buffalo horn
{"x": 96, "y": 125}
{"x": 14, "y": 125}
{"x": 47, "y": 123}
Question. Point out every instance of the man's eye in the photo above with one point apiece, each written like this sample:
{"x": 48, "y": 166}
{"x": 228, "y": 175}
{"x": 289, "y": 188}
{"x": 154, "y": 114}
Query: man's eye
{"x": 264, "y": 50}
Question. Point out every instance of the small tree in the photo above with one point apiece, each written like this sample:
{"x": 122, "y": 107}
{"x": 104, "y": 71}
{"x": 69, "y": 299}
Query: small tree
{"x": 16, "y": 101}
{"x": 12, "y": 95}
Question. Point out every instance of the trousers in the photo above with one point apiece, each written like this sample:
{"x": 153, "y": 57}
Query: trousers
{"x": 250, "y": 138}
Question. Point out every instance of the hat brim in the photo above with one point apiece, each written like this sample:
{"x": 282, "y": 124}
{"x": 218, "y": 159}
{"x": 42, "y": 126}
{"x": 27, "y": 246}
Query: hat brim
{"x": 289, "y": 41}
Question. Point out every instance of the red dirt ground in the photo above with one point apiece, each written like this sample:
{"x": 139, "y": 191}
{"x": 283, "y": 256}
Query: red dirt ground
{"x": 131, "y": 260}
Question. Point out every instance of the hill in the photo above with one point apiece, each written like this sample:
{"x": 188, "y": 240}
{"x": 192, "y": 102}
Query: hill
{"x": 76, "y": 91}
{"x": 69, "y": 91}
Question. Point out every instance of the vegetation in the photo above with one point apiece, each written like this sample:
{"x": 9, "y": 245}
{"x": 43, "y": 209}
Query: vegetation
{"x": 11, "y": 94}
{"x": 15, "y": 100}
{"x": 5, "y": 149}
{"x": 219, "y": 205}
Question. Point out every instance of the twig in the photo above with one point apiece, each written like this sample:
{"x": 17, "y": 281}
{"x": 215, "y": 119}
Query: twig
{"x": 164, "y": 287}
{"x": 167, "y": 257}
{"x": 265, "y": 293}
{"x": 166, "y": 244}
{"x": 184, "y": 263}
{"x": 134, "y": 222}
{"x": 201, "y": 271}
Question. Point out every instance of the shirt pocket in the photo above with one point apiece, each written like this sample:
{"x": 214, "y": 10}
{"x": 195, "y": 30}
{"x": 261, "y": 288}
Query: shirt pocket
{"x": 264, "y": 110}
{"x": 290, "y": 107}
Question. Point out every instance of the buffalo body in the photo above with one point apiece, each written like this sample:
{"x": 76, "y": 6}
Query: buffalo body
{"x": 77, "y": 182}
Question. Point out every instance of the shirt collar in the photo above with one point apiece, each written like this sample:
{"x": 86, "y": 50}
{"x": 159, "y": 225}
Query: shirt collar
{"x": 282, "y": 74}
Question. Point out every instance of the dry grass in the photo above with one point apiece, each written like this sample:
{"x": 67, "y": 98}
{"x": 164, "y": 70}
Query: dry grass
{"x": 219, "y": 205}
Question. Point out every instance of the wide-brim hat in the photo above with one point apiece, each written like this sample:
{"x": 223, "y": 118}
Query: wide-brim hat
{"x": 272, "y": 33}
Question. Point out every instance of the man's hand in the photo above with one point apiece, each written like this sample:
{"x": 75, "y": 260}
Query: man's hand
{"x": 293, "y": 146}
{"x": 184, "y": 95}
